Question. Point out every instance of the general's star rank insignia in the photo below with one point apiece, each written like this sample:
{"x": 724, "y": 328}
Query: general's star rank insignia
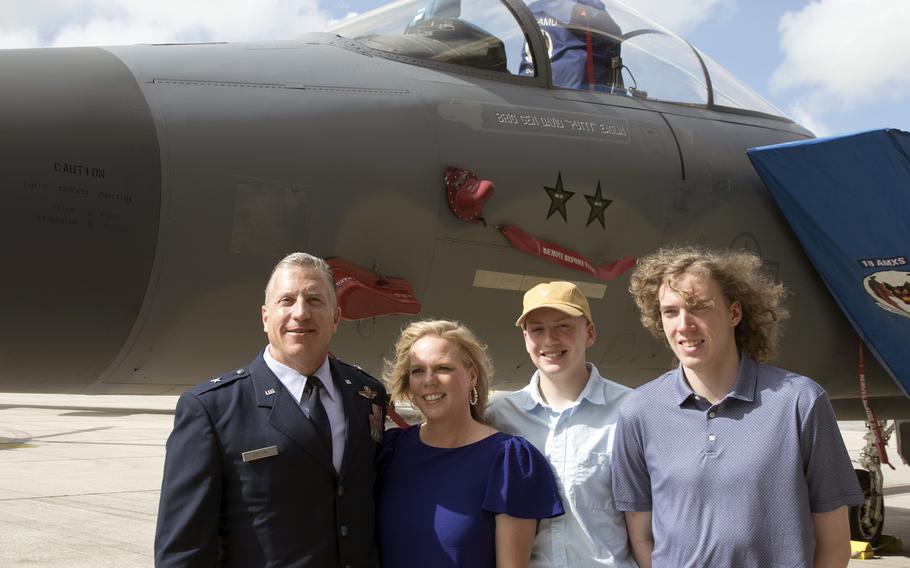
{"x": 558, "y": 198}
{"x": 598, "y": 204}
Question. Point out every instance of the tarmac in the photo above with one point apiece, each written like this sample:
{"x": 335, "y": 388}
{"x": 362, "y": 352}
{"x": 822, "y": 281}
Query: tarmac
{"x": 80, "y": 478}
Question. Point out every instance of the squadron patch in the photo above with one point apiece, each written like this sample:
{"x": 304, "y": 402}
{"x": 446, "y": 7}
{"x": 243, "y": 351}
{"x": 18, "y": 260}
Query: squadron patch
{"x": 891, "y": 291}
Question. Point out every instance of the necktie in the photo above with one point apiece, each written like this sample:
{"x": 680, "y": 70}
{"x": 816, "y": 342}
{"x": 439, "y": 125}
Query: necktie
{"x": 316, "y": 411}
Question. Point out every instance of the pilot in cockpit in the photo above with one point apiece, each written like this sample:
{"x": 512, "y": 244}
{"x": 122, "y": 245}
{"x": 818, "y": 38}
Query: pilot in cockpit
{"x": 583, "y": 43}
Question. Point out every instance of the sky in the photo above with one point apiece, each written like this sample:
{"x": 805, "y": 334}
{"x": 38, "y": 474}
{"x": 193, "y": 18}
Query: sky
{"x": 834, "y": 66}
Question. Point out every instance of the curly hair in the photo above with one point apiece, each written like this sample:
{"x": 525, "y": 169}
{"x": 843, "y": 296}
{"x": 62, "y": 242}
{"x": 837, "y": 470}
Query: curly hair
{"x": 739, "y": 275}
{"x": 473, "y": 354}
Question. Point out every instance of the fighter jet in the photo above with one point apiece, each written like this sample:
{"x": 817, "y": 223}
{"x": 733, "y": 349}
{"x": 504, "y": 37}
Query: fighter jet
{"x": 446, "y": 156}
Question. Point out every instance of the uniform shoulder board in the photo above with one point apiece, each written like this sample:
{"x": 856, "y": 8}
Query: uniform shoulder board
{"x": 351, "y": 366}
{"x": 357, "y": 369}
{"x": 221, "y": 380}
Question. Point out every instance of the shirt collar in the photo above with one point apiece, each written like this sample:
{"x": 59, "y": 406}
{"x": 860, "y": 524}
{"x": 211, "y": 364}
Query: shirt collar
{"x": 529, "y": 397}
{"x": 743, "y": 388}
{"x": 294, "y": 381}
{"x": 593, "y": 391}
{"x": 681, "y": 389}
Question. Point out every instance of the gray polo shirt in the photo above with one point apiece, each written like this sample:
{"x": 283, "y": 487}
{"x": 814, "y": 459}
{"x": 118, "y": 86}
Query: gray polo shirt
{"x": 735, "y": 483}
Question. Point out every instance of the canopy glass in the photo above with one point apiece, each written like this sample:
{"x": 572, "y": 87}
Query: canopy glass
{"x": 595, "y": 45}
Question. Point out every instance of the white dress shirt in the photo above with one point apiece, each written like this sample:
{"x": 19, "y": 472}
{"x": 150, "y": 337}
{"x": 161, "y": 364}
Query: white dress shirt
{"x": 294, "y": 382}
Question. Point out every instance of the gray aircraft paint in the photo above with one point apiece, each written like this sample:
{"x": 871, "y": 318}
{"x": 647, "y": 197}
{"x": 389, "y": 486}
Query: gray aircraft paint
{"x": 82, "y": 189}
{"x": 322, "y": 145}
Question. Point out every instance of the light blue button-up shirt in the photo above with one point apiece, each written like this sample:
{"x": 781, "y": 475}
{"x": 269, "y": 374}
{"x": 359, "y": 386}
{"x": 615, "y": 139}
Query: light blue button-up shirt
{"x": 578, "y": 443}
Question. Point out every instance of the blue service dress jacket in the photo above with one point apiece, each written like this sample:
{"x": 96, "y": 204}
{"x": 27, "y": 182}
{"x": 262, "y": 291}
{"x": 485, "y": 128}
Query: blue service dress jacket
{"x": 285, "y": 505}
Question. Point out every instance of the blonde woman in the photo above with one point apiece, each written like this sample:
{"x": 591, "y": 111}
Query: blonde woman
{"x": 454, "y": 491}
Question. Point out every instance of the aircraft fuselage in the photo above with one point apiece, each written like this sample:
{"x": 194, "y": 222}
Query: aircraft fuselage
{"x": 150, "y": 189}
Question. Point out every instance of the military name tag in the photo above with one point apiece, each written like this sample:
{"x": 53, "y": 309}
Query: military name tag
{"x": 253, "y": 455}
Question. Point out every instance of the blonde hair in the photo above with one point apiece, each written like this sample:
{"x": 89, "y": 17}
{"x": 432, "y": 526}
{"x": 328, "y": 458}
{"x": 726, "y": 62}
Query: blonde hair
{"x": 473, "y": 354}
{"x": 741, "y": 279}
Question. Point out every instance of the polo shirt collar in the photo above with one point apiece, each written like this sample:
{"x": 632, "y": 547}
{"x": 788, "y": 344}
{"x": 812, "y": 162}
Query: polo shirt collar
{"x": 743, "y": 388}
{"x": 681, "y": 389}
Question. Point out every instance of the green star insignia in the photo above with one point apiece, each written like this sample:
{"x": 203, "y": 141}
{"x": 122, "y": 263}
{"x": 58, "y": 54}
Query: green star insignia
{"x": 558, "y": 198}
{"x": 598, "y": 204}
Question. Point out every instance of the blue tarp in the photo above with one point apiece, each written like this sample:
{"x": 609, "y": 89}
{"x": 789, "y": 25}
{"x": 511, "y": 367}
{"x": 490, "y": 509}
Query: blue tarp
{"x": 848, "y": 200}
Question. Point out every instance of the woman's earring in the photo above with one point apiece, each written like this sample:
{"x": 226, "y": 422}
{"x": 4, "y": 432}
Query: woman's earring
{"x": 474, "y": 396}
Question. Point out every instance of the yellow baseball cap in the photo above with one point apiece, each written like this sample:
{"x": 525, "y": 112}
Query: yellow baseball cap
{"x": 562, "y": 296}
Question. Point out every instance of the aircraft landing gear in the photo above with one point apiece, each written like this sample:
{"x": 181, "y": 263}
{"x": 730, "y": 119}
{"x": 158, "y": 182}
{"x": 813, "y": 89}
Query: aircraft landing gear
{"x": 868, "y": 520}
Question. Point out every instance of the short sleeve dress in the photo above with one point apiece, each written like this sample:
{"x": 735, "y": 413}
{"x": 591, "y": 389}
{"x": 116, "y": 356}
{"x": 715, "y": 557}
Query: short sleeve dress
{"x": 436, "y": 506}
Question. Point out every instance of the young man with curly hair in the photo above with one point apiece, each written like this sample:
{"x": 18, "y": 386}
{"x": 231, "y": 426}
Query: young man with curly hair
{"x": 726, "y": 461}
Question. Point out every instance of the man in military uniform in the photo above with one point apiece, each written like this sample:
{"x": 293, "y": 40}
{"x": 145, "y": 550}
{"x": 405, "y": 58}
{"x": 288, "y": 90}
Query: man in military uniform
{"x": 273, "y": 464}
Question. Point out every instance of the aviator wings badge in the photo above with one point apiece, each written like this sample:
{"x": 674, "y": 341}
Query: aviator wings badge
{"x": 367, "y": 393}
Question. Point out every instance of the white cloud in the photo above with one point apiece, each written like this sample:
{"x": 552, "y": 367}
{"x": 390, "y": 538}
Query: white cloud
{"x": 19, "y": 38}
{"x": 112, "y": 22}
{"x": 809, "y": 119}
{"x": 680, "y": 16}
{"x": 842, "y": 52}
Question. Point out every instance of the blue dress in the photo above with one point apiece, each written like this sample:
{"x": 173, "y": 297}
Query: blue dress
{"x": 436, "y": 506}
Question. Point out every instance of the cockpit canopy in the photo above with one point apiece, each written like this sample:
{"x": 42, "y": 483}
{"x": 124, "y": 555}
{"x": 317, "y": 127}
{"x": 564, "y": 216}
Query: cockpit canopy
{"x": 595, "y": 45}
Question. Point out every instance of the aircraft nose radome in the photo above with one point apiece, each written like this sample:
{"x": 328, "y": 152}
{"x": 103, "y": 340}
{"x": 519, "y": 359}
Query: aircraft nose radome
{"x": 82, "y": 173}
